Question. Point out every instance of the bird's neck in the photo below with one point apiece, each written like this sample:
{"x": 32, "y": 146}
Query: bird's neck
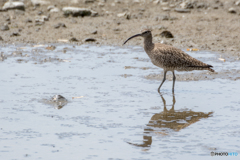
{"x": 148, "y": 44}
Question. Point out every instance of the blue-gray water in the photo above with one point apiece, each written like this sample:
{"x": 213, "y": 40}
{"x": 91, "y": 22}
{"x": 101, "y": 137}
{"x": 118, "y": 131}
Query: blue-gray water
{"x": 113, "y": 118}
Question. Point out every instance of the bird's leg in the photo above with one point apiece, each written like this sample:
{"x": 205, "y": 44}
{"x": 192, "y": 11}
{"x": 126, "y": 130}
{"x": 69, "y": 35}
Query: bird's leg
{"x": 174, "y": 78}
{"x": 164, "y": 78}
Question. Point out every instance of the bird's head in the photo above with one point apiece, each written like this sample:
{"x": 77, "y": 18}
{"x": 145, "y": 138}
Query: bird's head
{"x": 144, "y": 34}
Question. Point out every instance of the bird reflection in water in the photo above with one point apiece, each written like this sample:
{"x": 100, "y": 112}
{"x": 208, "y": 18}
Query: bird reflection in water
{"x": 169, "y": 120}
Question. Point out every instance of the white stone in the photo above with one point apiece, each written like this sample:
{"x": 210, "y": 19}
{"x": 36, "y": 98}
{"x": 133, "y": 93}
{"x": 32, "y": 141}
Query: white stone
{"x": 54, "y": 10}
{"x": 39, "y": 2}
{"x": 14, "y": 5}
{"x": 121, "y": 14}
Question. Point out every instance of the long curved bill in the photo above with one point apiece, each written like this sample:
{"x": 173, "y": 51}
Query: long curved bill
{"x": 131, "y": 38}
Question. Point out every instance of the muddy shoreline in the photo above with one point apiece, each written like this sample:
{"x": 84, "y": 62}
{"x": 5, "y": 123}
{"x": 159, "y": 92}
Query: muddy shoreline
{"x": 207, "y": 26}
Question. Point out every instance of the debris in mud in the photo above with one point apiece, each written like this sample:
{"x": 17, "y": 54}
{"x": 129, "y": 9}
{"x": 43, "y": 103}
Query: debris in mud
{"x": 51, "y": 47}
{"x": 192, "y": 49}
{"x": 17, "y": 53}
{"x": 63, "y": 40}
{"x": 77, "y": 97}
{"x": 222, "y": 59}
{"x": 167, "y": 34}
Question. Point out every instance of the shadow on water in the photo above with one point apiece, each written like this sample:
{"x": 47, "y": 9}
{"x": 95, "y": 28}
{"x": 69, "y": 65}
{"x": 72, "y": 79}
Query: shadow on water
{"x": 172, "y": 119}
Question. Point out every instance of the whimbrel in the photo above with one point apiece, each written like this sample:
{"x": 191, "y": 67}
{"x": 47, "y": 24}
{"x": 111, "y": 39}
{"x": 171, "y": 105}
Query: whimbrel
{"x": 169, "y": 58}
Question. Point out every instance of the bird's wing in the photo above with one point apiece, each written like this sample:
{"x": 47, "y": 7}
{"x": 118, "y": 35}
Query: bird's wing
{"x": 172, "y": 57}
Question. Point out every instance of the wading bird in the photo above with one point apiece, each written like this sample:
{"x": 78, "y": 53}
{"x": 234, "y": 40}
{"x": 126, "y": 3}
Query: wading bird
{"x": 169, "y": 58}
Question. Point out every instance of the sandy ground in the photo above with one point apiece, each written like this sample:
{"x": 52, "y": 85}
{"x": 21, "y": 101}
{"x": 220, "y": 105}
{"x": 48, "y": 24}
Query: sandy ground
{"x": 210, "y": 27}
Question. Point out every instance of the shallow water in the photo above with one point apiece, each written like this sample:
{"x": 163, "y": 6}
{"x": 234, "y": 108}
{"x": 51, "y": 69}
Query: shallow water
{"x": 121, "y": 115}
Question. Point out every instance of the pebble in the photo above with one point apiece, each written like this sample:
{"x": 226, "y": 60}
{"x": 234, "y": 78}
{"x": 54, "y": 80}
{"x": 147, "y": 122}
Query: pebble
{"x": 4, "y": 28}
{"x": 17, "y": 53}
{"x": 89, "y": 40}
{"x": 180, "y": 10}
{"x": 1, "y": 39}
{"x": 166, "y": 9}
{"x": 89, "y": 1}
{"x": 167, "y": 34}
{"x": 54, "y": 10}
{"x": 94, "y": 32}
{"x": 201, "y": 5}
{"x": 73, "y": 39}
{"x": 60, "y": 25}
{"x": 39, "y": 2}
{"x": 41, "y": 18}
{"x": 28, "y": 20}
{"x": 232, "y": 10}
{"x": 14, "y": 5}
{"x": 14, "y": 34}
{"x": 237, "y": 3}
{"x": 39, "y": 23}
{"x": 75, "y": 11}
{"x": 186, "y": 5}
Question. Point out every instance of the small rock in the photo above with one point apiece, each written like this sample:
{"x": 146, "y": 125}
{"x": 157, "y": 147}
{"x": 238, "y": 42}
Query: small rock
{"x": 14, "y": 5}
{"x": 8, "y": 19}
{"x": 39, "y": 23}
{"x": 201, "y": 5}
{"x": 89, "y": 1}
{"x": 40, "y": 13}
{"x": 232, "y": 10}
{"x": 14, "y": 34}
{"x": 39, "y": 2}
{"x": 41, "y": 18}
{"x": 17, "y": 53}
{"x": 28, "y": 20}
{"x": 166, "y": 9}
{"x": 215, "y": 7}
{"x": 180, "y": 10}
{"x": 186, "y": 5}
{"x": 51, "y": 47}
{"x": 116, "y": 29}
{"x": 156, "y": 2}
{"x": 100, "y": 4}
{"x": 60, "y": 25}
{"x": 54, "y": 10}
{"x": 1, "y": 39}
{"x": 73, "y": 39}
{"x": 166, "y": 34}
{"x": 89, "y": 40}
{"x": 237, "y": 3}
{"x": 4, "y": 28}
{"x": 74, "y": 11}
{"x": 94, "y": 13}
{"x": 94, "y": 32}
{"x": 50, "y": 7}
{"x": 165, "y": 18}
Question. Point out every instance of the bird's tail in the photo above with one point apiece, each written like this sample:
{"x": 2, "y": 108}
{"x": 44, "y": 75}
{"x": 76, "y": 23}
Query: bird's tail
{"x": 207, "y": 67}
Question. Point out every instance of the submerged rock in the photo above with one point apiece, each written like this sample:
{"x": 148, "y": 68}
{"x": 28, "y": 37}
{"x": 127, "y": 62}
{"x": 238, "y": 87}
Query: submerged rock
{"x": 14, "y": 5}
{"x": 58, "y": 101}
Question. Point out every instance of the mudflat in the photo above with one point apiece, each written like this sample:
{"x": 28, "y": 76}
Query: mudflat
{"x": 202, "y": 24}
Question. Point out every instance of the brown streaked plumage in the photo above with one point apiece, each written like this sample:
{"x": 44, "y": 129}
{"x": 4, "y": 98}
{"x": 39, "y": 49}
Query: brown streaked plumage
{"x": 169, "y": 58}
